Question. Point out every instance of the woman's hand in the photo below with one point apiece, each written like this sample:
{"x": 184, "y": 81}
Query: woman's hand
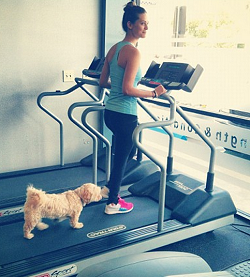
{"x": 159, "y": 90}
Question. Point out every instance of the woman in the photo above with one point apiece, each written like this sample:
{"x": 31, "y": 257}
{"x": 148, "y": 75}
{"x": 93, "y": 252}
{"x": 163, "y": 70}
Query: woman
{"x": 121, "y": 74}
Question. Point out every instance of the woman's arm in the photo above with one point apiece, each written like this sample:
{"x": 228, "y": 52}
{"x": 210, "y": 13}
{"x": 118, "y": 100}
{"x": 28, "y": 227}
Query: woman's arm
{"x": 104, "y": 81}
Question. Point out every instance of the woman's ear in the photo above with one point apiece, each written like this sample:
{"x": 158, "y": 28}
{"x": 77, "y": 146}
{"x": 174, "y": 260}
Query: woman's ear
{"x": 129, "y": 25}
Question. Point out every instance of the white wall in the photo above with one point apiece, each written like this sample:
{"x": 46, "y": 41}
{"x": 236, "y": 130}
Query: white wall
{"x": 39, "y": 39}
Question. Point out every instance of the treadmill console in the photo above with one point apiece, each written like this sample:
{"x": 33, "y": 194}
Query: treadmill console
{"x": 95, "y": 68}
{"x": 172, "y": 75}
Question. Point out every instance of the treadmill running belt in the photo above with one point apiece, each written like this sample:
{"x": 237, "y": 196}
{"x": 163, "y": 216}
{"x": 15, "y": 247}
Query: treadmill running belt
{"x": 61, "y": 235}
{"x": 66, "y": 178}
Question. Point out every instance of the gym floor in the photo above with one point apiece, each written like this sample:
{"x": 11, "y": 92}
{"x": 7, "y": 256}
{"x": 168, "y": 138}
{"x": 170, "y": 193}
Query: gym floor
{"x": 221, "y": 248}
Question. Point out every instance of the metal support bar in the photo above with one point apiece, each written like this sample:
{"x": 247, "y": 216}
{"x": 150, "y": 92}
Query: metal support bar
{"x": 79, "y": 84}
{"x": 169, "y": 132}
{"x": 100, "y": 136}
{"x": 210, "y": 173}
{"x": 158, "y": 162}
{"x": 86, "y": 130}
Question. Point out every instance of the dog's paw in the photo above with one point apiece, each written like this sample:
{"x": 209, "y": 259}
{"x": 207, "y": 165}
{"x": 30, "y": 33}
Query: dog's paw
{"x": 78, "y": 225}
{"x": 42, "y": 226}
{"x": 29, "y": 236}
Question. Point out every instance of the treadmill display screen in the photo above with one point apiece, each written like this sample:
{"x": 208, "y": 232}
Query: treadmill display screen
{"x": 95, "y": 68}
{"x": 168, "y": 75}
{"x": 175, "y": 72}
{"x": 171, "y": 75}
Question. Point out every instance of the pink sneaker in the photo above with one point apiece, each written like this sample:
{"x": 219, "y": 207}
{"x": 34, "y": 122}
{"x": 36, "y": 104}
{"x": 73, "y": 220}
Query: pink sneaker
{"x": 120, "y": 208}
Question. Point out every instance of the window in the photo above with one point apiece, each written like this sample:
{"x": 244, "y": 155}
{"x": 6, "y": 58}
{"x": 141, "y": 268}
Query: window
{"x": 214, "y": 34}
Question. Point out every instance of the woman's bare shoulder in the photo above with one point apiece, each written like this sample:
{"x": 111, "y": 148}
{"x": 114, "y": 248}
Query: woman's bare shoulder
{"x": 130, "y": 52}
{"x": 130, "y": 49}
{"x": 111, "y": 52}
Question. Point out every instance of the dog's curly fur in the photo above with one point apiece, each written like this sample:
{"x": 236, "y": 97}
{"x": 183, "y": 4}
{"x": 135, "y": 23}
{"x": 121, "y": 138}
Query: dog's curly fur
{"x": 70, "y": 203}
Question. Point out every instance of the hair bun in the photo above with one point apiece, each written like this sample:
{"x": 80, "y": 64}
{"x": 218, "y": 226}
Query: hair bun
{"x": 129, "y": 6}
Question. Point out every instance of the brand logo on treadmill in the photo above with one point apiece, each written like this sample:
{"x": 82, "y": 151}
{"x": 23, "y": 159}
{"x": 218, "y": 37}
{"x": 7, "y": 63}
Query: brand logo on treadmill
{"x": 11, "y": 211}
{"x": 106, "y": 231}
{"x": 64, "y": 271}
{"x": 61, "y": 271}
{"x": 181, "y": 186}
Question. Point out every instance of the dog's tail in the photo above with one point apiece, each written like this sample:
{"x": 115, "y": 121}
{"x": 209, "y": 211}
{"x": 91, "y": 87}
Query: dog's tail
{"x": 34, "y": 196}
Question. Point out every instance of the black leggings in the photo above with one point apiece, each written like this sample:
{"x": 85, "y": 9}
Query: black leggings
{"x": 122, "y": 127}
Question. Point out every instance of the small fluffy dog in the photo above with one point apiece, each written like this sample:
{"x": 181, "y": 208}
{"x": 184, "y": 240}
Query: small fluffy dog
{"x": 70, "y": 203}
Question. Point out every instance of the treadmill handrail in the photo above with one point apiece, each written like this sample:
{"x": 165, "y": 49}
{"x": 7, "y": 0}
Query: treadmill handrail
{"x": 87, "y": 81}
{"x": 163, "y": 166}
{"x": 86, "y": 130}
{"x": 210, "y": 174}
{"x": 100, "y": 136}
{"x": 209, "y": 143}
{"x": 169, "y": 132}
{"x": 79, "y": 84}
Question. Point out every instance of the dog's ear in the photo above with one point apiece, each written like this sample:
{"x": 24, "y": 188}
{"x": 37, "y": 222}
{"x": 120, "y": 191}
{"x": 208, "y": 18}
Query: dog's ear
{"x": 86, "y": 194}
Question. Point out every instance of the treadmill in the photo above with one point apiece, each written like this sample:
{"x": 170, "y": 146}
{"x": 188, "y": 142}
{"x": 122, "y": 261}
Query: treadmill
{"x": 191, "y": 208}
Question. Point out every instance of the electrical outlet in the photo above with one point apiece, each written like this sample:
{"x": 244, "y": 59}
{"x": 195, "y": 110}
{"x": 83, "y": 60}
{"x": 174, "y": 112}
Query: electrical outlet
{"x": 68, "y": 75}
